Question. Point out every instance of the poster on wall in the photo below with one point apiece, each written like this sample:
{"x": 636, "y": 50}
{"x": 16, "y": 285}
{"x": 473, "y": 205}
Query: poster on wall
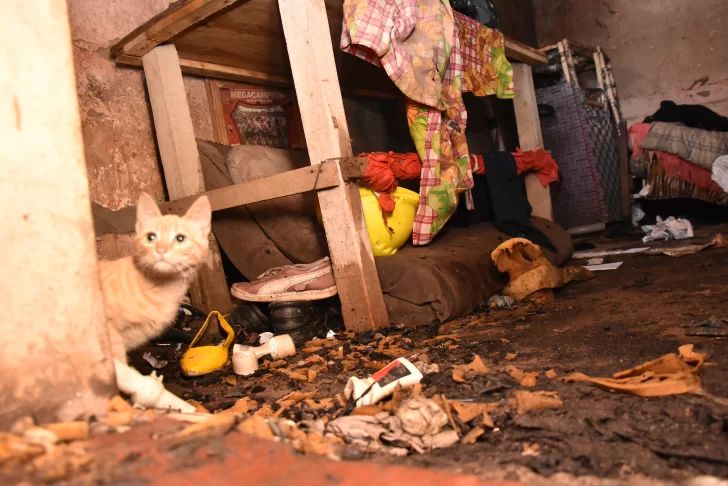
{"x": 254, "y": 115}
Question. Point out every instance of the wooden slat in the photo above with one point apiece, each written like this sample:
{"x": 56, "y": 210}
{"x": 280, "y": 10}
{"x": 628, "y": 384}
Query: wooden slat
{"x": 517, "y": 51}
{"x": 219, "y": 127}
{"x": 327, "y": 135}
{"x": 314, "y": 178}
{"x": 176, "y": 19}
{"x": 242, "y": 40}
{"x": 530, "y": 137}
{"x": 181, "y": 162}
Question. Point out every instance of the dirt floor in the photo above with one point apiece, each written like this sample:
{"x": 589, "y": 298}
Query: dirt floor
{"x": 613, "y": 322}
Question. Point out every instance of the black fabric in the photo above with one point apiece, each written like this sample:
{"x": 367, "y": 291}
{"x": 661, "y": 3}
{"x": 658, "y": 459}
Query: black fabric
{"x": 500, "y": 197}
{"x": 695, "y": 116}
{"x": 481, "y": 10}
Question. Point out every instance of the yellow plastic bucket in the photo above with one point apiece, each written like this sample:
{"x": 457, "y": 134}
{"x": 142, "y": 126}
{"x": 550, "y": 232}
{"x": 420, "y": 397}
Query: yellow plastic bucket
{"x": 385, "y": 242}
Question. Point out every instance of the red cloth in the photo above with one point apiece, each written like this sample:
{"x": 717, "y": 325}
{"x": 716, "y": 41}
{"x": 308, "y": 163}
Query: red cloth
{"x": 537, "y": 160}
{"x": 383, "y": 172}
{"x": 385, "y": 169}
{"x": 477, "y": 164}
{"x": 675, "y": 166}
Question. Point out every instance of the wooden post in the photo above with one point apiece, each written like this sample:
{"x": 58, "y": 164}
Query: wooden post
{"x": 55, "y": 358}
{"x": 181, "y": 162}
{"x": 529, "y": 135}
{"x": 306, "y": 29}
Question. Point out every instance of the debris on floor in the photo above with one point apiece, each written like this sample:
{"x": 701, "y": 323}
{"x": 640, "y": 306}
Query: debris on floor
{"x": 529, "y": 270}
{"x": 711, "y": 327}
{"x": 671, "y": 374}
{"x": 501, "y": 301}
{"x": 496, "y": 377}
{"x": 603, "y": 266}
{"x": 669, "y": 229}
{"x": 717, "y": 242}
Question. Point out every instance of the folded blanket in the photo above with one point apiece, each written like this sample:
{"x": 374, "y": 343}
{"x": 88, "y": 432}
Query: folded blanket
{"x": 700, "y": 147}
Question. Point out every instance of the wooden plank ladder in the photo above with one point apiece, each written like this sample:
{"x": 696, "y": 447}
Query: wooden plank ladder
{"x": 327, "y": 135}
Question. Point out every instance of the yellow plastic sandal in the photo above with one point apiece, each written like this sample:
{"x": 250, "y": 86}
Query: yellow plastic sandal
{"x": 200, "y": 360}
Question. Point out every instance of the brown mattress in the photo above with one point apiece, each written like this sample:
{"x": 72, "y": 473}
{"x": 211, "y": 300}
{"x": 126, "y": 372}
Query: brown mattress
{"x": 454, "y": 274}
{"x": 446, "y": 279}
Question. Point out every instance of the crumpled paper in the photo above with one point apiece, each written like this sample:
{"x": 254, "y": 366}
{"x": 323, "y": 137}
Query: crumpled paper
{"x": 671, "y": 374}
{"x": 417, "y": 426}
{"x": 530, "y": 271}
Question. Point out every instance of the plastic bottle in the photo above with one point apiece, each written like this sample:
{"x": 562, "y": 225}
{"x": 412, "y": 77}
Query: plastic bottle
{"x": 382, "y": 383}
{"x": 245, "y": 358}
{"x": 148, "y": 391}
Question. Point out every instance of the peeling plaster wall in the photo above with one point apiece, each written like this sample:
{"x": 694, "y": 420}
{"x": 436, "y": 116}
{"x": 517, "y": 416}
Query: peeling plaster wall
{"x": 121, "y": 151}
{"x": 660, "y": 49}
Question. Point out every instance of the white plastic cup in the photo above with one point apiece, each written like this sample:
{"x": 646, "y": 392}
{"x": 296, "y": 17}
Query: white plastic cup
{"x": 245, "y": 360}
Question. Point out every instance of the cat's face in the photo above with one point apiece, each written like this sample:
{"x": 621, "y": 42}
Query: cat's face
{"x": 169, "y": 245}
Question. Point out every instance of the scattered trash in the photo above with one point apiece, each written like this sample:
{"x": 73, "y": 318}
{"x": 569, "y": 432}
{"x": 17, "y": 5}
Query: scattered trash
{"x": 595, "y": 261}
{"x": 265, "y": 337}
{"x": 530, "y": 271}
{"x": 604, "y": 253}
{"x": 669, "y": 229}
{"x": 524, "y": 378}
{"x": 604, "y": 266}
{"x": 637, "y": 214}
{"x": 155, "y": 362}
{"x": 369, "y": 391}
{"x": 209, "y": 349}
{"x": 711, "y": 327}
{"x": 501, "y": 301}
{"x": 417, "y": 426}
{"x": 245, "y": 361}
{"x": 671, "y": 374}
{"x": 230, "y": 380}
{"x": 464, "y": 373}
{"x": 427, "y": 368}
{"x": 331, "y": 334}
{"x": 148, "y": 391}
{"x": 526, "y": 401}
{"x": 717, "y": 242}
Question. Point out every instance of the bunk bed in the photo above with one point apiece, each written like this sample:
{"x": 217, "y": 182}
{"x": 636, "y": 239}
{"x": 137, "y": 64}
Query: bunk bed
{"x": 286, "y": 43}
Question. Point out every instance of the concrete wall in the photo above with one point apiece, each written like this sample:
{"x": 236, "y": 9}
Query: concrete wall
{"x": 660, "y": 49}
{"x": 121, "y": 152}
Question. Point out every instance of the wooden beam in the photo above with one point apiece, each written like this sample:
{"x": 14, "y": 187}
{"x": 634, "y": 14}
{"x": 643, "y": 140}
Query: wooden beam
{"x": 55, "y": 357}
{"x": 311, "y": 55}
{"x": 517, "y": 51}
{"x": 161, "y": 28}
{"x": 314, "y": 178}
{"x": 530, "y": 137}
{"x": 181, "y": 162}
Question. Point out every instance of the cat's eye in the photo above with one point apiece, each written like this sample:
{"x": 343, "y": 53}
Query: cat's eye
{"x": 180, "y": 238}
{"x": 151, "y": 236}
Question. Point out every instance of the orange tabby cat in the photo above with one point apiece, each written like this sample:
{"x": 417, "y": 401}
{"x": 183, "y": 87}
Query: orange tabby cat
{"x": 143, "y": 292}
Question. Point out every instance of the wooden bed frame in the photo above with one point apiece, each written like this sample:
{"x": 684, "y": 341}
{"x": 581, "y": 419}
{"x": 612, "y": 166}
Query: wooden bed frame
{"x": 286, "y": 43}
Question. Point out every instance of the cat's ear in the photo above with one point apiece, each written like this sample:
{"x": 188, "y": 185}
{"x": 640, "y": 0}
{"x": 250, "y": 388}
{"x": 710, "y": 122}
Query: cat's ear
{"x": 200, "y": 214}
{"x": 147, "y": 211}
